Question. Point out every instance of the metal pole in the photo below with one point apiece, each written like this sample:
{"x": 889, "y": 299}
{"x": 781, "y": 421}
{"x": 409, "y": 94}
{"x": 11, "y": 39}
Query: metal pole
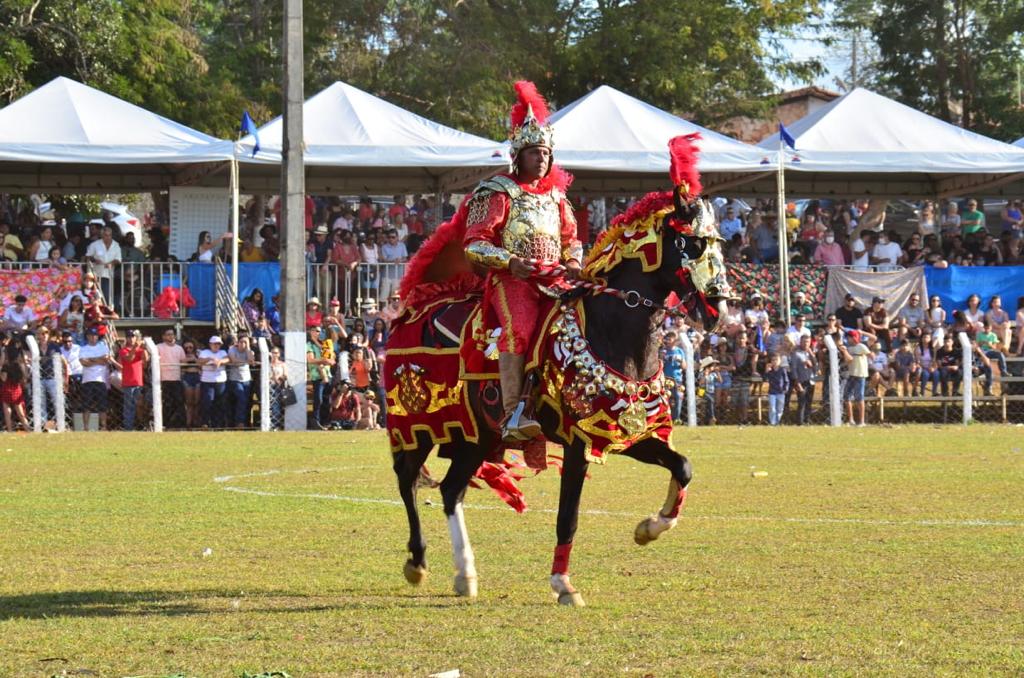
{"x": 293, "y": 217}
{"x": 835, "y": 397}
{"x": 37, "y": 384}
{"x": 783, "y": 235}
{"x": 968, "y": 376}
{"x": 234, "y": 225}
{"x": 154, "y": 380}
{"x": 60, "y": 402}
{"x": 264, "y": 384}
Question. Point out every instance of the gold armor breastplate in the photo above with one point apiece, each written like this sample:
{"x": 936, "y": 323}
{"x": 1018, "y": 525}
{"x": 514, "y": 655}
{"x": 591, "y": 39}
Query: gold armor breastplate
{"x": 533, "y": 229}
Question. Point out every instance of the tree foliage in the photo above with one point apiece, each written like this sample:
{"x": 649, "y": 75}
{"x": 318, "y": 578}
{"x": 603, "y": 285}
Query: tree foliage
{"x": 955, "y": 59}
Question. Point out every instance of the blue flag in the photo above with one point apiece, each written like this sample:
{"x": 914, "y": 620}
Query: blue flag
{"x": 786, "y": 136}
{"x": 249, "y": 127}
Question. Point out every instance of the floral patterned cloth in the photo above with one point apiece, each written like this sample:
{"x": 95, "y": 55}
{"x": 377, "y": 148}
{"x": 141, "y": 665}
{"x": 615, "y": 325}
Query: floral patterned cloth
{"x": 43, "y": 287}
{"x": 764, "y": 278}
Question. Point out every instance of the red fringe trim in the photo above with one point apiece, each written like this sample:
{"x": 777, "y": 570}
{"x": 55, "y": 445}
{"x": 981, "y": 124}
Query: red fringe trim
{"x": 652, "y": 202}
{"x": 499, "y": 479}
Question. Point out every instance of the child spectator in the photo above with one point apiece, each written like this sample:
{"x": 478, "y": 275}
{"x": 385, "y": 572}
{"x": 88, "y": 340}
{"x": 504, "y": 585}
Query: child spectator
{"x": 368, "y": 413}
{"x": 949, "y": 360}
{"x": 778, "y": 385}
{"x": 907, "y": 369}
{"x": 929, "y": 365}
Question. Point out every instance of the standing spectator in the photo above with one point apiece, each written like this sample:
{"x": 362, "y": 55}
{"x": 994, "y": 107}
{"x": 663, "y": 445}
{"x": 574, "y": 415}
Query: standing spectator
{"x": 12, "y": 395}
{"x": 40, "y": 250}
{"x": 70, "y": 350}
{"x": 803, "y": 365}
{"x": 132, "y": 358}
{"x": 104, "y": 254}
{"x": 172, "y": 356}
{"x": 239, "y": 385}
{"x": 876, "y": 321}
{"x": 278, "y": 383}
{"x": 972, "y": 223}
{"x": 745, "y": 359}
{"x": 270, "y": 245}
{"x": 709, "y": 378}
{"x": 213, "y": 379}
{"x": 673, "y": 360}
{"x": 766, "y": 241}
{"x": 96, "y": 361}
{"x": 951, "y": 220}
{"x": 856, "y": 356}
{"x": 829, "y": 252}
{"x": 190, "y": 383}
{"x": 48, "y": 350}
{"x": 19, "y": 317}
{"x": 778, "y": 385}
{"x": 316, "y": 362}
{"x": 1012, "y": 218}
{"x": 369, "y": 257}
{"x": 886, "y": 254}
{"x": 392, "y": 254}
{"x": 797, "y": 331}
{"x": 924, "y": 356}
{"x": 731, "y": 225}
{"x": 861, "y": 249}
{"x": 849, "y": 316}
{"x": 11, "y": 247}
{"x": 914, "y": 253}
{"x": 926, "y": 224}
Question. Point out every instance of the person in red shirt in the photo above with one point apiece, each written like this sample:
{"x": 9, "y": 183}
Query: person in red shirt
{"x": 132, "y": 358}
{"x": 344, "y": 407}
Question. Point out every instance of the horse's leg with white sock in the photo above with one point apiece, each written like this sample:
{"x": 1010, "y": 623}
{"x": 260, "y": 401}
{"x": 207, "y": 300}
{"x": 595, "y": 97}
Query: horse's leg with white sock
{"x": 462, "y": 554}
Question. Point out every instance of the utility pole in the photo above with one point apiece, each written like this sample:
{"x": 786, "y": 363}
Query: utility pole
{"x": 853, "y": 62}
{"x": 293, "y": 218}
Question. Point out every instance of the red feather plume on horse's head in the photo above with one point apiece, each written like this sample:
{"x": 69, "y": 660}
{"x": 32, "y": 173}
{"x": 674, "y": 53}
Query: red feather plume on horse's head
{"x": 683, "y": 153}
{"x": 528, "y": 98}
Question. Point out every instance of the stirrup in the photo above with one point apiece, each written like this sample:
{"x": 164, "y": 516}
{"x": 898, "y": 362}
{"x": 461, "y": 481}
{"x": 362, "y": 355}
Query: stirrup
{"x": 517, "y": 427}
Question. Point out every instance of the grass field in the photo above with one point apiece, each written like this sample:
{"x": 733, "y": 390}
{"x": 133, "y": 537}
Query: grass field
{"x": 895, "y": 551}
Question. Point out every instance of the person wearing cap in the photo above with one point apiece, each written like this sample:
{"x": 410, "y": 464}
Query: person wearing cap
{"x": 777, "y": 378}
{"x": 800, "y": 306}
{"x": 96, "y": 362}
{"x": 19, "y": 317}
{"x": 212, "y": 383}
{"x": 876, "y": 321}
{"x": 132, "y": 359}
{"x": 48, "y": 351}
{"x": 710, "y": 379}
{"x": 849, "y": 315}
{"x": 857, "y": 356}
{"x": 314, "y": 313}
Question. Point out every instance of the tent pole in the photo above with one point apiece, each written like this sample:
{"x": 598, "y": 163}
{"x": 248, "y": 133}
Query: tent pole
{"x": 234, "y": 224}
{"x": 783, "y": 236}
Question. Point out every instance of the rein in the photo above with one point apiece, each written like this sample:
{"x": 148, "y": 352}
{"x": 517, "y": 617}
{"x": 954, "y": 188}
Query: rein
{"x": 631, "y": 298}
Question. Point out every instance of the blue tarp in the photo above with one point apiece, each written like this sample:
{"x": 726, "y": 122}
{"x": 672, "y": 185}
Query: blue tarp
{"x": 201, "y": 278}
{"x": 954, "y": 284}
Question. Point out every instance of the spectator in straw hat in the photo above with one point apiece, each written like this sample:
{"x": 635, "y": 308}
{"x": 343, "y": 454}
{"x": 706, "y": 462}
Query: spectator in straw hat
{"x": 213, "y": 382}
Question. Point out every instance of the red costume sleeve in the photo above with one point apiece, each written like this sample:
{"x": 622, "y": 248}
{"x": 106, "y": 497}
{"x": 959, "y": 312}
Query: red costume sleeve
{"x": 571, "y": 247}
{"x": 486, "y": 217}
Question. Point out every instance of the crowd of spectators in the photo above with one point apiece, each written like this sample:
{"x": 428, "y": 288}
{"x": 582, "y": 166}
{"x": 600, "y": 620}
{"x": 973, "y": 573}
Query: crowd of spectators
{"x": 839, "y": 234}
{"x": 912, "y": 354}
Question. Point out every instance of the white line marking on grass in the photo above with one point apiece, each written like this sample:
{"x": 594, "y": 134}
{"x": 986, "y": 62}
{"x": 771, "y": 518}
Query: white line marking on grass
{"x": 624, "y": 514}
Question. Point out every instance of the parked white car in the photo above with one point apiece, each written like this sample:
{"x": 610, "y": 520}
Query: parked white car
{"x": 125, "y": 220}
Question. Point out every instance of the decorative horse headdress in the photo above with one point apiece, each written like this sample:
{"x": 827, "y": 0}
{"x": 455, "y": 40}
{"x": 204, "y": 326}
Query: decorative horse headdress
{"x": 529, "y": 119}
{"x": 686, "y": 194}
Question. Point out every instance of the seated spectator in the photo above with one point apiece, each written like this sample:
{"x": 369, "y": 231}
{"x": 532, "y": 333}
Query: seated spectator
{"x": 346, "y": 411}
{"x": 999, "y": 318}
{"x": 11, "y": 247}
{"x": 886, "y": 254}
{"x": 927, "y": 361}
{"x": 990, "y": 345}
{"x": 732, "y": 323}
{"x": 19, "y": 317}
{"x": 248, "y": 253}
{"x": 876, "y": 321}
{"x": 972, "y": 222}
{"x": 907, "y": 371}
{"x": 800, "y": 306}
{"x": 849, "y": 316}
{"x": 270, "y": 245}
{"x": 881, "y": 375}
{"x": 949, "y": 361}
{"x": 914, "y": 254}
{"x": 731, "y": 225}
{"x": 910, "y": 323}
{"x": 40, "y": 249}
{"x": 252, "y": 309}
{"x": 973, "y": 313}
{"x": 988, "y": 254}
{"x": 369, "y": 411}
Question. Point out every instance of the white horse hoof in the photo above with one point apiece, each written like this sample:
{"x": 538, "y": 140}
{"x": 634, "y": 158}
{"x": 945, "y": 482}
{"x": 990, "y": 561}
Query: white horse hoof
{"x": 414, "y": 574}
{"x": 571, "y": 599}
{"x": 465, "y": 586}
{"x": 650, "y": 528}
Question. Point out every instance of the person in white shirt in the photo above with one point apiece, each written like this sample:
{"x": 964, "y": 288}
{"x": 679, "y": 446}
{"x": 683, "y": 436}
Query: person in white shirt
{"x": 104, "y": 254}
{"x": 392, "y": 252}
{"x": 797, "y": 330}
{"x": 861, "y": 249}
{"x": 19, "y": 317}
{"x": 213, "y": 383}
{"x": 96, "y": 361}
{"x": 886, "y": 254}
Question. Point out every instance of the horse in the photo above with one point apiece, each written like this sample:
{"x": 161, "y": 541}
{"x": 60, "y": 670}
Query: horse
{"x": 662, "y": 245}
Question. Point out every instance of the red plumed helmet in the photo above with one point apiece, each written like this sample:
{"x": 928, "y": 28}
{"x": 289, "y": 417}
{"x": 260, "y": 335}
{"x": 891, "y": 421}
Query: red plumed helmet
{"x": 683, "y": 153}
{"x": 529, "y": 117}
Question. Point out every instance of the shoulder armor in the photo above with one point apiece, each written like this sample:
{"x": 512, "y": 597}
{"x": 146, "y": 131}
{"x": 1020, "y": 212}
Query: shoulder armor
{"x": 499, "y": 184}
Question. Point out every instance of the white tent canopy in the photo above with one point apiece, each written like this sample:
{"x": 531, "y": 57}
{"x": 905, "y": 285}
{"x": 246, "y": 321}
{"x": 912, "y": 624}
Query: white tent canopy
{"x": 865, "y": 144}
{"x": 616, "y": 144}
{"x": 1019, "y": 142}
{"x": 355, "y": 142}
{"x": 68, "y": 137}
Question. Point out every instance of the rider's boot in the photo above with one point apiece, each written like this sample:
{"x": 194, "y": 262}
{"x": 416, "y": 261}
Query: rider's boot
{"x": 517, "y": 425}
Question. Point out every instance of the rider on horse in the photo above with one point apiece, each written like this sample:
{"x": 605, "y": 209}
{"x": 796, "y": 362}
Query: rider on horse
{"x": 516, "y": 222}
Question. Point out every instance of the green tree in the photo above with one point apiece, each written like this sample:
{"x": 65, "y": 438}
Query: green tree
{"x": 955, "y": 59}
